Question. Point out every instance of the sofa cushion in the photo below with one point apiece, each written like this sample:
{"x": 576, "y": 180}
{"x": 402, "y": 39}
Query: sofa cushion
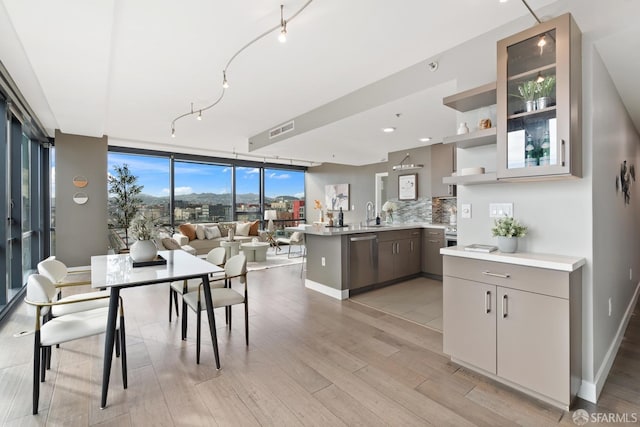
{"x": 253, "y": 230}
{"x": 243, "y": 229}
{"x": 212, "y": 232}
{"x": 188, "y": 230}
{"x": 170, "y": 244}
{"x": 225, "y": 227}
{"x": 200, "y": 231}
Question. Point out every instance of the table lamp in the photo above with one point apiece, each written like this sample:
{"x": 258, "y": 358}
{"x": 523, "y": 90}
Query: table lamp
{"x": 270, "y": 215}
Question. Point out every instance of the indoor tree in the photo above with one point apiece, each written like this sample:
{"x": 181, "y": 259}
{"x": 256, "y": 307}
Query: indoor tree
{"x": 123, "y": 201}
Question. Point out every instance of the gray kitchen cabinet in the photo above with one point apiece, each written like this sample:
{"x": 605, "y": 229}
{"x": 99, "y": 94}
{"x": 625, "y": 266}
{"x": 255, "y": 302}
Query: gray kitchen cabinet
{"x": 540, "y": 137}
{"x": 520, "y": 325}
{"x": 398, "y": 254}
{"x": 442, "y": 165}
{"x": 432, "y": 241}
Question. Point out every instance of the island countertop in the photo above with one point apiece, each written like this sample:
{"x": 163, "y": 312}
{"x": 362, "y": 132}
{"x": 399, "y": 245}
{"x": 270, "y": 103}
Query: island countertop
{"x": 321, "y": 230}
{"x": 549, "y": 261}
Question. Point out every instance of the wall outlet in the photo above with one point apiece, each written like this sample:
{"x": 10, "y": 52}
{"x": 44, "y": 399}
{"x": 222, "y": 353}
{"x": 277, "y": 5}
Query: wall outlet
{"x": 499, "y": 210}
{"x": 609, "y": 306}
{"x": 466, "y": 210}
{"x": 323, "y": 262}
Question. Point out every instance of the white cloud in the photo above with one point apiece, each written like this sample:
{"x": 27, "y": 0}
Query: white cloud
{"x": 252, "y": 171}
{"x": 182, "y": 190}
{"x": 274, "y": 175}
{"x": 164, "y": 191}
{"x": 299, "y": 195}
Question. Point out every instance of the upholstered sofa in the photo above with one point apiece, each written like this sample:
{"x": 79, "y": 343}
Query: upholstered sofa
{"x": 205, "y": 236}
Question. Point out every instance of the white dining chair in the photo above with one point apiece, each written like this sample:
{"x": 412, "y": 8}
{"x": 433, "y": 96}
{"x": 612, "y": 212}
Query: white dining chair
{"x": 74, "y": 324}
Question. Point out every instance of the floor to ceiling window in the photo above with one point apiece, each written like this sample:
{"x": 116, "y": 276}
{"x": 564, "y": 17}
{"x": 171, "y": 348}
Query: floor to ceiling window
{"x": 178, "y": 188}
{"x": 23, "y": 190}
{"x": 202, "y": 192}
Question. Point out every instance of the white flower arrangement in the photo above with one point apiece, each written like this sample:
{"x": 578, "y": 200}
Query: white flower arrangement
{"x": 508, "y": 227}
{"x": 142, "y": 228}
{"x": 389, "y": 207}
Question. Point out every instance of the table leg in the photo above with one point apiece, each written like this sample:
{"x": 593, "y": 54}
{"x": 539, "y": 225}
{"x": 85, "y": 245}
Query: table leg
{"x": 212, "y": 319}
{"x": 108, "y": 343}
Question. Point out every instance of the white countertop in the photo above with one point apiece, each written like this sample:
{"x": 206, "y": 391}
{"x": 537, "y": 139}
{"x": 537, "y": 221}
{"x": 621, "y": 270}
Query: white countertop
{"x": 549, "y": 261}
{"x": 320, "y": 230}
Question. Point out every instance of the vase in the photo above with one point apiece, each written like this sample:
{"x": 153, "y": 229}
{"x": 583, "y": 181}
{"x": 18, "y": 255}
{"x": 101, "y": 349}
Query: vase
{"x": 543, "y": 102}
{"x": 507, "y": 244}
{"x": 530, "y": 105}
{"x": 143, "y": 250}
{"x": 463, "y": 128}
{"x": 389, "y": 218}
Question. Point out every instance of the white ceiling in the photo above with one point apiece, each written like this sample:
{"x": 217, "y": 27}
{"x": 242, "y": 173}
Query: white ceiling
{"x": 128, "y": 68}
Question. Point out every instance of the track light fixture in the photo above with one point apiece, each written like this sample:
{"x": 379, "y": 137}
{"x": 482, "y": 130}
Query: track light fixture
{"x": 225, "y": 83}
{"x": 283, "y": 26}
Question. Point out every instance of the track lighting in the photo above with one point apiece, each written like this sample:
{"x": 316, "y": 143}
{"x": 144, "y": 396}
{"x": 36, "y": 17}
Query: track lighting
{"x": 540, "y": 78}
{"x": 225, "y": 83}
{"x": 282, "y": 37}
{"x": 199, "y": 115}
{"x": 173, "y": 132}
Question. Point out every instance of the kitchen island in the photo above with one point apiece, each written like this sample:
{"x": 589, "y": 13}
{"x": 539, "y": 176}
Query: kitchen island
{"x": 345, "y": 260}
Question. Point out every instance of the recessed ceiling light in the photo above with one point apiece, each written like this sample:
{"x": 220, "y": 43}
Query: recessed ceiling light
{"x": 503, "y": 1}
{"x": 425, "y": 139}
{"x": 388, "y": 129}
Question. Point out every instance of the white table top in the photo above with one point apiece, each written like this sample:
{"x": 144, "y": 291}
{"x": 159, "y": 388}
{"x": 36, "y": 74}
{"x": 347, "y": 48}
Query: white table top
{"x": 254, "y": 244}
{"x": 118, "y": 270}
{"x": 224, "y": 243}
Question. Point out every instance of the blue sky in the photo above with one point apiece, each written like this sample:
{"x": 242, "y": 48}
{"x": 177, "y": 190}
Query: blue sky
{"x": 153, "y": 174}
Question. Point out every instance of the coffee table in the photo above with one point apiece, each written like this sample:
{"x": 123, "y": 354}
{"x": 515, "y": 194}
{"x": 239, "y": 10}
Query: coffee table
{"x": 255, "y": 251}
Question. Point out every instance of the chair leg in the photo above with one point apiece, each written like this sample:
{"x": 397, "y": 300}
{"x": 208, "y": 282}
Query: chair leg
{"x": 49, "y": 351}
{"x": 198, "y": 331}
{"x": 289, "y": 253}
{"x": 246, "y": 321}
{"x": 170, "y": 302}
{"x": 230, "y": 311}
{"x": 123, "y": 359}
{"x": 36, "y": 372}
{"x": 117, "y": 347}
{"x": 43, "y": 363}
{"x": 184, "y": 320}
{"x": 175, "y": 301}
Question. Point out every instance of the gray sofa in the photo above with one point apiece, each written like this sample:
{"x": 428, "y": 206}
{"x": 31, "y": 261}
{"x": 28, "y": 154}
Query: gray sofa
{"x": 202, "y": 246}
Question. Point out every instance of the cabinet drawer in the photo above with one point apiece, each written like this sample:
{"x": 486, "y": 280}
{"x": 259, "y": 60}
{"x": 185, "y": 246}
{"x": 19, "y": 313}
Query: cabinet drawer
{"x": 385, "y": 236}
{"x": 433, "y": 233}
{"x": 539, "y": 280}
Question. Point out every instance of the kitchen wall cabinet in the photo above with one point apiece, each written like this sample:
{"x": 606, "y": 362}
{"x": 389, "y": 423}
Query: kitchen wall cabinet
{"x": 539, "y": 135}
{"x": 521, "y": 325}
{"x": 442, "y": 165}
{"x": 399, "y": 254}
{"x": 432, "y": 240}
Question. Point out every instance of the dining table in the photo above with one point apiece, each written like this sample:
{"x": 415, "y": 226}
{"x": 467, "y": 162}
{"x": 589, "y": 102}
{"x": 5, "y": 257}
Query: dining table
{"x": 116, "y": 272}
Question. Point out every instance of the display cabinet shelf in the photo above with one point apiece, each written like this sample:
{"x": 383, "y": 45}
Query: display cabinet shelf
{"x": 532, "y": 113}
{"x": 472, "y": 139}
{"x": 535, "y": 71}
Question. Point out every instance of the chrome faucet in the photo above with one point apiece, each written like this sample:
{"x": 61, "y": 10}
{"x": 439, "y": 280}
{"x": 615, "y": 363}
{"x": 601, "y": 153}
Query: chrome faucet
{"x": 370, "y": 216}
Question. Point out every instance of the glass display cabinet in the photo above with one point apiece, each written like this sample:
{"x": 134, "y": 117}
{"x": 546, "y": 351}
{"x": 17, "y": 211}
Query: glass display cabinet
{"x": 539, "y": 102}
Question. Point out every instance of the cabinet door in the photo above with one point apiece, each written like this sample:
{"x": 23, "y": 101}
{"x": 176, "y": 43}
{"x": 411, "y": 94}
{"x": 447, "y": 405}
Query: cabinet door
{"x": 442, "y": 164}
{"x": 386, "y": 255}
{"x": 538, "y": 106}
{"x": 533, "y": 342}
{"x": 431, "y": 257}
{"x": 415, "y": 255}
{"x": 407, "y": 257}
{"x": 469, "y": 322}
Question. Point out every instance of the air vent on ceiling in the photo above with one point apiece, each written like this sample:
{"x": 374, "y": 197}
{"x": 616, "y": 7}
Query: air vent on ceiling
{"x": 280, "y": 130}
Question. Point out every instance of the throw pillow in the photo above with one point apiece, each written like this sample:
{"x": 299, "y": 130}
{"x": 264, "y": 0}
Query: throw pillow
{"x": 253, "y": 230}
{"x": 188, "y": 230}
{"x": 200, "y": 232}
{"x": 212, "y": 232}
{"x": 243, "y": 229}
{"x": 170, "y": 244}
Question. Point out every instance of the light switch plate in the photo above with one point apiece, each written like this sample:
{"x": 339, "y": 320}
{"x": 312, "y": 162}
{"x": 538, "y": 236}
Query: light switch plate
{"x": 499, "y": 210}
{"x": 466, "y": 210}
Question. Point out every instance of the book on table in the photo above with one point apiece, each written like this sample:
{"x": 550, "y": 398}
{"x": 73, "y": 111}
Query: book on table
{"x": 480, "y": 248}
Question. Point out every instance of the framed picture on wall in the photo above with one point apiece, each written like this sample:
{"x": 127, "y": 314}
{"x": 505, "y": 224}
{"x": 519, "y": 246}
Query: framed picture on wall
{"x": 408, "y": 187}
{"x": 336, "y": 196}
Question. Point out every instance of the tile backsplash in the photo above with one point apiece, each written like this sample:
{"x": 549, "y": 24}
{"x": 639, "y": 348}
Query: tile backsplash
{"x": 411, "y": 211}
{"x": 442, "y": 209}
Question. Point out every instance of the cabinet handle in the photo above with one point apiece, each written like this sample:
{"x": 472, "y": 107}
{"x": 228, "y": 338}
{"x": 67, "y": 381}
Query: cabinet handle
{"x": 411, "y": 246}
{"x": 503, "y": 276}
{"x": 434, "y": 233}
{"x": 487, "y": 302}
{"x": 434, "y": 241}
{"x": 397, "y": 248}
{"x": 563, "y": 146}
{"x": 505, "y": 306}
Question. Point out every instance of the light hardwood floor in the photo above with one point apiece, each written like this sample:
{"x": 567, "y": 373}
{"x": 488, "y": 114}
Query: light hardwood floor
{"x": 312, "y": 360}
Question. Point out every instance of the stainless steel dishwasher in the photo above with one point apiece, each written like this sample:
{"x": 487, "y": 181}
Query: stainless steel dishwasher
{"x": 363, "y": 260}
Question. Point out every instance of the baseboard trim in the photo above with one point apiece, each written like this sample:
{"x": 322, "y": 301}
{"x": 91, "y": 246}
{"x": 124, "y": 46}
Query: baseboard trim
{"x": 590, "y": 391}
{"x": 326, "y": 290}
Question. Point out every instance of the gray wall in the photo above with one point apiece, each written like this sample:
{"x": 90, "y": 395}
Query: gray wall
{"x": 361, "y": 180}
{"x": 81, "y": 230}
{"x": 616, "y": 225}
